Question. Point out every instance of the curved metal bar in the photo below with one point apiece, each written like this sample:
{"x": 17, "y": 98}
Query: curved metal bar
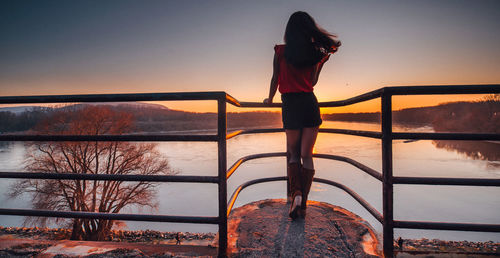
{"x": 264, "y": 130}
{"x": 370, "y": 134}
{"x": 364, "y": 168}
{"x": 233, "y": 101}
{"x": 233, "y": 168}
{"x": 370, "y": 171}
{"x": 358, "y": 198}
{"x": 236, "y": 192}
{"x": 346, "y": 189}
{"x": 233, "y": 134}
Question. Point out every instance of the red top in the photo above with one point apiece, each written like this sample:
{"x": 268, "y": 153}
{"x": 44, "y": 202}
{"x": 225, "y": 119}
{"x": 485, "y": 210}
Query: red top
{"x": 291, "y": 79}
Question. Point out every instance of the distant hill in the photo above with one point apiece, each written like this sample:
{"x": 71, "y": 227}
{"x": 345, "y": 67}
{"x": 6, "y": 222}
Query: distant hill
{"x": 18, "y": 109}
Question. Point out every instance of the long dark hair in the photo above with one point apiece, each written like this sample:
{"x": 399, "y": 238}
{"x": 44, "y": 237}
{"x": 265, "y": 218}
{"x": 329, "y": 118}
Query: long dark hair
{"x": 306, "y": 43}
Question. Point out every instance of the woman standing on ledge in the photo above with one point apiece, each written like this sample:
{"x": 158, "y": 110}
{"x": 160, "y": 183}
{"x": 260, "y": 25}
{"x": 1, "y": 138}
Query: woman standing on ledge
{"x": 296, "y": 69}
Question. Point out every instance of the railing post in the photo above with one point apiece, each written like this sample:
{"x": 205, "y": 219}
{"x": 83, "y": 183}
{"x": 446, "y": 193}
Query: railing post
{"x": 288, "y": 193}
{"x": 387, "y": 203}
{"x": 222, "y": 158}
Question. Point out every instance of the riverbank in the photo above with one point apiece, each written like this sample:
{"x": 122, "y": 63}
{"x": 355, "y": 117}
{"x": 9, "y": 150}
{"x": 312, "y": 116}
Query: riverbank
{"x": 149, "y": 236}
{"x": 47, "y": 237}
{"x": 421, "y": 246}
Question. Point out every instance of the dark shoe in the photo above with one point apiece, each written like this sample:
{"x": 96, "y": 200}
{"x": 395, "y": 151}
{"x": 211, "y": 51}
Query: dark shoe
{"x": 294, "y": 178}
{"x": 307, "y": 176}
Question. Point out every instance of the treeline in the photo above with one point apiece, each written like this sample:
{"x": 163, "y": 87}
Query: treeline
{"x": 12, "y": 122}
{"x": 161, "y": 119}
{"x": 480, "y": 116}
{"x": 148, "y": 118}
{"x": 409, "y": 116}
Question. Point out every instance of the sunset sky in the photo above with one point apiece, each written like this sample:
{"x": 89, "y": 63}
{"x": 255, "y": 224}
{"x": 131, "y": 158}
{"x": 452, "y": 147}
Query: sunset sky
{"x": 84, "y": 47}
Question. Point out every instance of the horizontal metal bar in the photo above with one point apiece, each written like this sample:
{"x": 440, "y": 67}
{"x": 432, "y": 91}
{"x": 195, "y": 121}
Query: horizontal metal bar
{"x": 443, "y": 89}
{"x": 446, "y": 181}
{"x": 214, "y": 95}
{"x": 360, "y": 98}
{"x": 398, "y": 90}
{"x": 245, "y": 104}
{"x": 358, "y": 198}
{"x": 109, "y": 138}
{"x": 370, "y": 171}
{"x": 111, "y": 177}
{"x": 371, "y": 134}
{"x": 447, "y": 226}
{"x": 447, "y": 136}
{"x": 110, "y": 216}
{"x": 172, "y": 96}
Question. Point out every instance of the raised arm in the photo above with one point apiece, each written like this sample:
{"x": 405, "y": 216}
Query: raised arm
{"x": 317, "y": 69}
{"x": 274, "y": 81}
{"x": 319, "y": 66}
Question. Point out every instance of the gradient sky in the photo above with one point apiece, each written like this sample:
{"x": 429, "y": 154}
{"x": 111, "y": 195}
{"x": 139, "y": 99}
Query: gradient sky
{"x": 83, "y": 47}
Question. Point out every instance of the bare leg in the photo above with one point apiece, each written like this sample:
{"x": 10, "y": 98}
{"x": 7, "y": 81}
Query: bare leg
{"x": 293, "y": 171}
{"x": 309, "y": 135}
{"x": 293, "y": 145}
{"x": 307, "y": 173}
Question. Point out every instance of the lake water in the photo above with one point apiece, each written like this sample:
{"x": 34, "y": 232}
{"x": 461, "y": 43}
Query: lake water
{"x": 411, "y": 202}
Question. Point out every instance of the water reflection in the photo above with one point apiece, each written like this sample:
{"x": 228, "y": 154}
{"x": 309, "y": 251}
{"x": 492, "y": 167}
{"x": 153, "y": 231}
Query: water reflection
{"x": 478, "y": 150}
{"x": 412, "y": 202}
{"x": 4, "y": 146}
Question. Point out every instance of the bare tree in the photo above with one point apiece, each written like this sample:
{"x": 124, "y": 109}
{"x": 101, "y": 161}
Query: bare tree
{"x": 117, "y": 158}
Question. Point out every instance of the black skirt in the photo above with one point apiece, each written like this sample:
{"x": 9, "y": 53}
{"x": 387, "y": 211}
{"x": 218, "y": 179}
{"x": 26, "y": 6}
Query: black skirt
{"x": 300, "y": 110}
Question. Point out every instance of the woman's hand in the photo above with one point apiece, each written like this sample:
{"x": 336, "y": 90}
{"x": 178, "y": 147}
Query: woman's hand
{"x": 335, "y": 46}
{"x": 268, "y": 101}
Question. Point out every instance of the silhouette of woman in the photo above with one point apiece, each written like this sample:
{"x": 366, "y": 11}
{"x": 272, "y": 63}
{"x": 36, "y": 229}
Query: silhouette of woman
{"x": 296, "y": 69}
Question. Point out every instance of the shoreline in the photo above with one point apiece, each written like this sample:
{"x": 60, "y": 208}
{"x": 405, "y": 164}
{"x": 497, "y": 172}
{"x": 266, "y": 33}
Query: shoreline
{"x": 132, "y": 236}
{"x": 207, "y": 239}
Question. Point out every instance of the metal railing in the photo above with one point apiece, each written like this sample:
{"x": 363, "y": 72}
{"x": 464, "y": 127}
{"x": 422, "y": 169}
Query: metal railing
{"x": 224, "y": 207}
{"x": 220, "y": 138}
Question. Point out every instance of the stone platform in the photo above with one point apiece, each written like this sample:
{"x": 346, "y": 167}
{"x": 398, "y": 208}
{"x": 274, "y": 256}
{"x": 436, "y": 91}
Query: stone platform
{"x": 263, "y": 229}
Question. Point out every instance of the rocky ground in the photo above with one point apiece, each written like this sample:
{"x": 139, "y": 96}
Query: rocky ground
{"x": 257, "y": 229}
{"x": 149, "y": 236}
{"x": 50, "y": 242}
{"x": 422, "y": 246}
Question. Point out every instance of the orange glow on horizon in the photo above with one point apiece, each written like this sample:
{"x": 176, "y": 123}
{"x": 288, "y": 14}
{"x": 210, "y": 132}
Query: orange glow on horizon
{"x": 398, "y": 102}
